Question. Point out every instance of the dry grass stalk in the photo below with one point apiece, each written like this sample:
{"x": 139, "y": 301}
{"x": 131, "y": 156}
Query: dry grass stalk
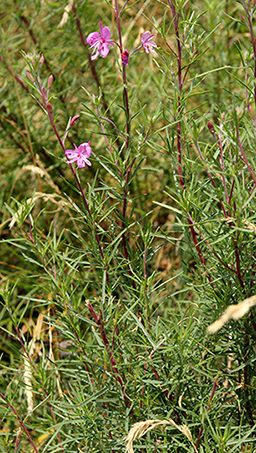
{"x": 133, "y": 22}
{"x": 37, "y": 196}
{"x": 47, "y": 176}
{"x": 139, "y": 429}
{"x": 38, "y": 169}
{"x": 233, "y": 312}
{"x": 67, "y": 10}
{"x": 27, "y": 377}
{"x": 52, "y": 358}
{"x": 27, "y": 366}
{"x": 33, "y": 169}
{"x": 249, "y": 225}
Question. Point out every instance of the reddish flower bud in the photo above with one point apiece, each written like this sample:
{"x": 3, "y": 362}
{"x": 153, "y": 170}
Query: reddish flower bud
{"x": 125, "y": 57}
{"x": 49, "y": 107}
{"x": 29, "y": 76}
{"x": 50, "y": 81}
{"x": 74, "y": 120}
{"x": 41, "y": 61}
{"x": 211, "y": 127}
{"x": 44, "y": 95}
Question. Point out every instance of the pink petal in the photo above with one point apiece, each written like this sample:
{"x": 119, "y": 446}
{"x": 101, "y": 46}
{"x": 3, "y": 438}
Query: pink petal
{"x": 92, "y": 38}
{"x": 143, "y": 36}
{"x": 104, "y": 50}
{"x": 95, "y": 55}
{"x": 85, "y": 149}
{"x": 88, "y": 151}
{"x": 146, "y": 37}
{"x": 70, "y": 161}
{"x": 105, "y": 33}
{"x": 80, "y": 162}
{"x": 70, "y": 153}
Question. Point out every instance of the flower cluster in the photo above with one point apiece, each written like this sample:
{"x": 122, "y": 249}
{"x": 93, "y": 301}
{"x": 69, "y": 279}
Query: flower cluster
{"x": 100, "y": 43}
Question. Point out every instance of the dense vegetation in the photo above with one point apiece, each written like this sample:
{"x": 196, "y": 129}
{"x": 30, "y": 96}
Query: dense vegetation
{"x": 128, "y": 185}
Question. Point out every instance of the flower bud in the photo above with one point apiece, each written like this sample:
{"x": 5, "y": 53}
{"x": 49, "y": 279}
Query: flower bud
{"x": 50, "y": 81}
{"x": 49, "y": 107}
{"x": 125, "y": 57}
{"x": 243, "y": 19}
{"x": 29, "y": 76}
{"x": 41, "y": 61}
{"x": 74, "y": 120}
{"x": 211, "y": 127}
{"x": 44, "y": 95}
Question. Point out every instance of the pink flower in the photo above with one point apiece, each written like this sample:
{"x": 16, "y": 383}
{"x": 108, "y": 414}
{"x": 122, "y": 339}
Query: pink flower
{"x": 79, "y": 155}
{"x": 147, "y": 43}
{"x": 100, "y": 42}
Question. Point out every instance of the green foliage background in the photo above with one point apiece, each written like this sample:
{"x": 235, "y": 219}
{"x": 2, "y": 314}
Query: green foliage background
{"x": 91, "y": 345}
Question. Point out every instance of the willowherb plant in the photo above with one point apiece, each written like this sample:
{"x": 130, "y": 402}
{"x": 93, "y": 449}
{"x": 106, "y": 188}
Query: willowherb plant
{"x": 134, "y": 231}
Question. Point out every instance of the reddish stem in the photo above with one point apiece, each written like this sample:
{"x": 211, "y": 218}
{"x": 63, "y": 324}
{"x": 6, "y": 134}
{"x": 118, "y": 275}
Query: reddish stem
{"x": 110, "y": 352}
{"x": 90, "y": 61}
{"x": 15, "y": 76}
{"x": 21, "y": 422}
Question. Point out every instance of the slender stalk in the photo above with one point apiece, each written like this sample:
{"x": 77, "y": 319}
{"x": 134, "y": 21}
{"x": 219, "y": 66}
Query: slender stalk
{"x": 15, "y": 75}
{"x": 20, "y": 422}
{"x": 244, "y": 158}
{"x": 90, "y": 61}
{"x": 214, "y": 387}
{"x": 110, "y": 352}
{"x": 124, "y": 76}
{"x": 81, "y": 192}
{"x": 113, "y": 124}
{"x": 237, "y": 257}
{"x": 247, "y": 381}
{"x": 104, "y": 133}
{"x": 249, "y": 18}
{"x": 13, "y": 140}
{"x": 210, "y": 176}
{"x": 32, "y": 363}
{"x": 178, "y": 55}
{"x": 126, "y": 254}
{"x": 222, "y": 164}
{"x": 30, "y": 236}
{"x": 127, "y": 141}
